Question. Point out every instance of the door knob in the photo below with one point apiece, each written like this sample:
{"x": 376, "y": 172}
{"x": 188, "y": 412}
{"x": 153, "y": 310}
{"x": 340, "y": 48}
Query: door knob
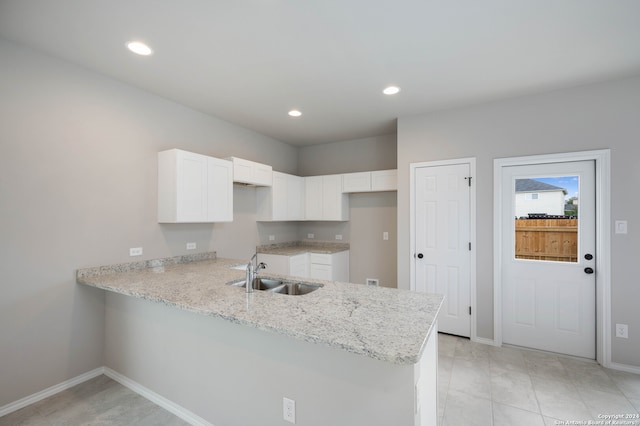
{"x": 588, "y": 256}
{"x": 420, "y": 255}
{"x": 588, "y": 270}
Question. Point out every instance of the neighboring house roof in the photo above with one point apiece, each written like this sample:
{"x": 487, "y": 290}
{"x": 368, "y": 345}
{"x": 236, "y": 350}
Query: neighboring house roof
{"x": 532, "y": 185}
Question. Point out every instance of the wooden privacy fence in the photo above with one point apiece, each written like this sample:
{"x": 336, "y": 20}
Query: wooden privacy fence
{"x": 547, "y": 239}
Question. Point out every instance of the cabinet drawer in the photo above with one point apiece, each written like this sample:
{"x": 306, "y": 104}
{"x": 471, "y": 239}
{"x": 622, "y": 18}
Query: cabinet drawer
{"x": 321, "y": 259}
{"x": 321, "y": 272}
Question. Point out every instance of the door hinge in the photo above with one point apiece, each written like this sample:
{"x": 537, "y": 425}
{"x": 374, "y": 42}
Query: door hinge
{"x": 469, "y": 310}
{"x": 468, "y": 179}
{"x": 469, "y": 246}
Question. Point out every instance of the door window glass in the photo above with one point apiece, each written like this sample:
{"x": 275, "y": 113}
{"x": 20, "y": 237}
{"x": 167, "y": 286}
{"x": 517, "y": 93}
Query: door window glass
{"x": 546, "y": 218}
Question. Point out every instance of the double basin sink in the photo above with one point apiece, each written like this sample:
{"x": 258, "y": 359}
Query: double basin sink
{"x": 278, "y": 286}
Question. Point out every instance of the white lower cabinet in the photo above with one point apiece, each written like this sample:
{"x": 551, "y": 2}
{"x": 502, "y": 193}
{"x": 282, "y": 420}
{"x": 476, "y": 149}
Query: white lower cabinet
{"x": 329, "y": 267}
{"x": 297, "y": 266}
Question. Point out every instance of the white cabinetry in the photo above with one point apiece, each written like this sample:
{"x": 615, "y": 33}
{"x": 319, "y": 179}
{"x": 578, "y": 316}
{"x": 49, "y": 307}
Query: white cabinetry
{"x": 194, "y": 188}
{"x": 284, "y": 200}
{"x": 330, "y": 267}
{"x": 296, "y": 266}
{"x": 250, "y": 172}
{"x": 382, "y": 180}
{"x": 324, "y": 199}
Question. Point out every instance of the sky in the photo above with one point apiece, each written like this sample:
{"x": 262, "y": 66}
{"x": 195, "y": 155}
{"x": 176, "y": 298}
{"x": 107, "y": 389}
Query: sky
{"x": 570, "y": 183}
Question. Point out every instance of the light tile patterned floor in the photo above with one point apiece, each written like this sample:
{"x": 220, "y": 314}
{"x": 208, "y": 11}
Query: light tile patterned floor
{"x": 100, "y": 401}
{"x": 477, "y": 385}
{"x": 488, "y": 386}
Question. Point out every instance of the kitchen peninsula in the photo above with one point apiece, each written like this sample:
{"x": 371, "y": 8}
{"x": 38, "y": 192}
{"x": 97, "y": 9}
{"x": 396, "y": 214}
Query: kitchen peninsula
{"x": 348, "y": 354}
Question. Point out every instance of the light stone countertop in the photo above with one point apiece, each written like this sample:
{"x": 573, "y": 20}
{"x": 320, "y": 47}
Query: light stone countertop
{"x": 305, "y": 246}
{"x": 386, "y": 324}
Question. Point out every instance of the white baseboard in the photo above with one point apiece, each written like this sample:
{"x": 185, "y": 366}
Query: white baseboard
{"x": 624, "y": 367}
{"x": 39, "y": 396}
{"x": 163, "y": 402}
{"x": 484, "y": 340}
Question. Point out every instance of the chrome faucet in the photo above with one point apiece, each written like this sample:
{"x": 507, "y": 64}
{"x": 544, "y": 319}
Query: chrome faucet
{"x": 252, "y": 272}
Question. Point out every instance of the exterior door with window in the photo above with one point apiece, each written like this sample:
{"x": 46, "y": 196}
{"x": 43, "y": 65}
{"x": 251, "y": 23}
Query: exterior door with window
{"x": 548, "y": 260}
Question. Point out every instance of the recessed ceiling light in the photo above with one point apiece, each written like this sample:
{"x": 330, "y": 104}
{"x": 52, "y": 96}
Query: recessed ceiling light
{"x": 139, "y": 48}
{"x": 295, "y": 113}
{"x": 391, "y": 90}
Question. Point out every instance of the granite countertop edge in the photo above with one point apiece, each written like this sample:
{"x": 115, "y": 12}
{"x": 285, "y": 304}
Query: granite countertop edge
{"x": 386, "y": 341}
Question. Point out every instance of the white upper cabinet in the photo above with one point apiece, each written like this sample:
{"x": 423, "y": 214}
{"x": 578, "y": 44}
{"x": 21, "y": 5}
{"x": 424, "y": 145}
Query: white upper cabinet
{"x": 284, "y": 200}
{"x": 356, "y": 182}
{"x": 194, "y": 188}
{"x": 251, "y": 173}
{"x": 382, "y": 180}
{"x": 324, "y": 199}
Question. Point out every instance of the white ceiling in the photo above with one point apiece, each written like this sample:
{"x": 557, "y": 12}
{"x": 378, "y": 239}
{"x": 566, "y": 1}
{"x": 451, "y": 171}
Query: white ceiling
{"x": 251, "y": 61}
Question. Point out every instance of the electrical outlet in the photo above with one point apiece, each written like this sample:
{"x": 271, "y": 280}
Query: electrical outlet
{"x": 272, "y": 237}
{"x": 135, "y": 251}
{"x": 338, "y": 236}
{"x": 622, "y": 330}
{"x": 310, "y": 236}
{"x": 289, "y": 410}
{"x": 385, "y": 236}
{"x": 373, "y": 281}
{"x": 191, "y": 246}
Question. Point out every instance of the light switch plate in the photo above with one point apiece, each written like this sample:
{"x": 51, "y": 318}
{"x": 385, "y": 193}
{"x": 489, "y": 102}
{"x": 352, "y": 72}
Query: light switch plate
{"x": 621, "y": 226}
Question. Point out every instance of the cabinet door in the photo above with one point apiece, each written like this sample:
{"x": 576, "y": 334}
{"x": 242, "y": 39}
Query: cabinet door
{"x": 313, "y": 197}
{"x": 384, "y": 180}
{"x": 335, "y": 203}
{"x": 220, "y": 190}
{"x": 262, "y": 174}
{"x": 191, "y": 187}
{"x": 295, "y": 198}
{"x": 321, "y": 272}
{"x": 276, "y": 264}
{"x": 356, "y": 182}
{"x": 299, "y": 265}
{"x": 279, "y": 194}
{"x": 194, "y": 188}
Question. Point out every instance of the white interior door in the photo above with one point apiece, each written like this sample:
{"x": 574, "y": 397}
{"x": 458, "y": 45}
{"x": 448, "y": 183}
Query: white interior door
{"x": 442, "y": 241}
{"x": 548, "y": 277}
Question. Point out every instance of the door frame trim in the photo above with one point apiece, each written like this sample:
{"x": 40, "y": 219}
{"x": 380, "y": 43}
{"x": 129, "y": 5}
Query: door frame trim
{"x": 471, "y": 161}
{"x": 602, "y": 159}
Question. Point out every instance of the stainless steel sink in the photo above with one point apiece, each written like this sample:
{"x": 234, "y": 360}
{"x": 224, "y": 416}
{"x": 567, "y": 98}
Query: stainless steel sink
{"x": 277, "y": 286}
{"x": 296, "y": 289}
{"x": 258, "y": 283}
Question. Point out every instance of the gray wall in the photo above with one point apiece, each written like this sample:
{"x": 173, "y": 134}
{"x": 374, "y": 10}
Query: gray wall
{"x": 77, "y": 189}
{"x": 371, "y": 214}
{"x": 234, "y": 374}
{"x": 605, "y": 115}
